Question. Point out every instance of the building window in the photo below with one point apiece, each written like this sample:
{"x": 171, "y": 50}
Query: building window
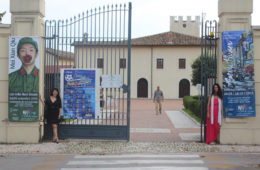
{"x": 159, "y": 63}
{"x": 182, "y": 63}
{"x": 100, "y": 63}
{"x": 122, "y": 63}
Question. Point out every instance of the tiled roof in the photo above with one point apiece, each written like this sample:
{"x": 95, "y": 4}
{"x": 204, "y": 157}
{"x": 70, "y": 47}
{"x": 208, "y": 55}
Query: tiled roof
{"x": 167, "y": 39}
{"x": 62, "y": 54}
{"x": 49, "y": 69}
{"x": 162, "y": 39}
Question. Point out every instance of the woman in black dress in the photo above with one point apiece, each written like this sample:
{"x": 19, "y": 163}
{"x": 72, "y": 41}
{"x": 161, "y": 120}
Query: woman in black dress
{"x": 53, "y": 106}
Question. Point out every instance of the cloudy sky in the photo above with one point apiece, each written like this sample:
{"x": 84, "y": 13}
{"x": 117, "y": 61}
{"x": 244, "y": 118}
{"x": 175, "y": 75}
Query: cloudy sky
{"x": 149, "y": 16}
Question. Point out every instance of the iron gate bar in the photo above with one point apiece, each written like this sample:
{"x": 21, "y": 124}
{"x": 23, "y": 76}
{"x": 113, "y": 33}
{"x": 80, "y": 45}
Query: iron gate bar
{"x": 65, "y": 47}
{"x": 201, "y": 72}
{"x": 124, "y": 56}
{"x": 129, "y": 70}
{"x": 209, "y": 38}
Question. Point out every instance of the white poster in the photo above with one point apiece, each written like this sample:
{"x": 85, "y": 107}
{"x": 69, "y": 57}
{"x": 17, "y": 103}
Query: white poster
{"x": 112, "y": 81}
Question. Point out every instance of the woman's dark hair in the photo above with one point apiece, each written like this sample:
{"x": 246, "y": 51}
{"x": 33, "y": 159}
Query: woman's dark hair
{"x": 219, "y": 93}
{"x": 58, "y": 95}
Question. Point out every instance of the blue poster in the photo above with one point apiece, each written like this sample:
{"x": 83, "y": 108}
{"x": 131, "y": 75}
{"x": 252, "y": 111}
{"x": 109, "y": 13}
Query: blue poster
{"x": 238, "y": 74}
{"x": 79, "y": 94}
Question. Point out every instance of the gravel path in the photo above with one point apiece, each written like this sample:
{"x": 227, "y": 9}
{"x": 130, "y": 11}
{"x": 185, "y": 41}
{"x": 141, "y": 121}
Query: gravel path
{"x": 116, "y": 147}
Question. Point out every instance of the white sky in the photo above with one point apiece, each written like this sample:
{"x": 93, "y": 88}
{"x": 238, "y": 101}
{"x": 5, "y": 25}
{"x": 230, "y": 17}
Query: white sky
{"x": 148, "y": 17}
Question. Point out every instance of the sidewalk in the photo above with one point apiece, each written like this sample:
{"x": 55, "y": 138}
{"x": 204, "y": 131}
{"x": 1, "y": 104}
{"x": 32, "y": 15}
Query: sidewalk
{"x": 170, "y": 126}
{"x": 121, "y": 147}
{"x": 150, "y": 133}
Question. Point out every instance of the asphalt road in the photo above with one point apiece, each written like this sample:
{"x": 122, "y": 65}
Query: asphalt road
{"x": 182, "y": 161}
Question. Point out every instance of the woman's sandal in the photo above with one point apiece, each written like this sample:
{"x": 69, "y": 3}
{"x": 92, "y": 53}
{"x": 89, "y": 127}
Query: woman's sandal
{"x": 55, "y": 141}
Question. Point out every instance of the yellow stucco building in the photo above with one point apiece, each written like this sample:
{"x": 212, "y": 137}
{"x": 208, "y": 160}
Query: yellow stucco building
{"x": 158, "y": 60}
{"x": 163, "y": 60}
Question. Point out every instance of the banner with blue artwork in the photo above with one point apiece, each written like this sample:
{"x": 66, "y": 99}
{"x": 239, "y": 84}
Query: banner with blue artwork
{"x": 238, "y": 74}
{"x": 80, "y": 93}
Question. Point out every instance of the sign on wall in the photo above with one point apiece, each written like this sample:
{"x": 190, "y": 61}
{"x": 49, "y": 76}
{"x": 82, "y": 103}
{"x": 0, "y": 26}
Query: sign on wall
{"x": 23, "y": 78}
{"x": 80, "y": 92}
{"x": 238, "y": 74}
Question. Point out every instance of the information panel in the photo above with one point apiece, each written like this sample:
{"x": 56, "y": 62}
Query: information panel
{"x": 238, "y": 74}
{"x": 80, "y": 93}
{"x": 112, "y": 81}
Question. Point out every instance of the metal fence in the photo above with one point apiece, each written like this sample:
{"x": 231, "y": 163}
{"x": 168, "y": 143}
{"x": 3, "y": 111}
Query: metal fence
{"x": 99, "y": 38}
{"x": 209, "y": 39}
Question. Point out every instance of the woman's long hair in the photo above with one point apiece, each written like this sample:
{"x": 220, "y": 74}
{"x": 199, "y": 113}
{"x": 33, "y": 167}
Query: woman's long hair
{"x": 58, "y": 95}
{"x": 219, "y": 93}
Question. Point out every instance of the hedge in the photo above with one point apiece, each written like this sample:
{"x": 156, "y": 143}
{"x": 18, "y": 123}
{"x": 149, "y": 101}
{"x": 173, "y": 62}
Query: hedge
{"x": 193, "y": 104}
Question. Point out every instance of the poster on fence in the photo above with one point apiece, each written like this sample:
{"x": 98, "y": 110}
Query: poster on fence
{"x": 238, "y": 74}
{"x": 23, "y": 78}
{"x": 80, "y": 93}
{"x": 112, "y": 81}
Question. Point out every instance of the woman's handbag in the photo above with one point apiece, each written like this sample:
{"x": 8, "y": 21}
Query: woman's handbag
{"x": 45, "y": 112}
{"x": 61, "y": 119}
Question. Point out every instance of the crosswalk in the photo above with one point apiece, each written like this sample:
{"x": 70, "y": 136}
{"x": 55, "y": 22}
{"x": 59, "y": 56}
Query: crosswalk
{"x": 136, "y": 162}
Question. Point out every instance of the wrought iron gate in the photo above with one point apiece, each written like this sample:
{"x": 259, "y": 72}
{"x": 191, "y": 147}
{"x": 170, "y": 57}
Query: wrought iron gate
{"x": 209, "y": 39}
{"x": 96, "y": 39}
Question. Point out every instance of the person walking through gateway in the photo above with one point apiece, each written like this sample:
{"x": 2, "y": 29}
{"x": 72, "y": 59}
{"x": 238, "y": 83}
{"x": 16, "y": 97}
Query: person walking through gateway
{"x": 53, "y": 108}
{"x": 158, "y": 99}
{"x": 215, "y": 110}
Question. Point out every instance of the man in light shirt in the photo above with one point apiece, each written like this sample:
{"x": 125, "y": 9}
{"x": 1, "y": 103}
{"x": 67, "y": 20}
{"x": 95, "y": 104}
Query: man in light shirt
{"x": 158, "y": 99}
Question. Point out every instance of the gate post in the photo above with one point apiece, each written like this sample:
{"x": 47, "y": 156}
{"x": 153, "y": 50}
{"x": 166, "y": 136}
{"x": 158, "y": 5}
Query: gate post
{"x": 235, "y": 15}
{"x": 27, "y": 20}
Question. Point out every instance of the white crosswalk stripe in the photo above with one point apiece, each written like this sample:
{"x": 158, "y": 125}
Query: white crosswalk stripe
{"x": 135, "y": 156}
{"x": 141, "y": 168}
{"x": 136, "y": 162}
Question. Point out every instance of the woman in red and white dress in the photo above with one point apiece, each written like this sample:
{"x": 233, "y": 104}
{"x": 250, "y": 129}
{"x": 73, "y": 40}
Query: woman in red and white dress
{"x": 214, "y": 114}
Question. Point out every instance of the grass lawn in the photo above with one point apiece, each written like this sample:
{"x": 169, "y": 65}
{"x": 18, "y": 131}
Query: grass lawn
{"x": 191, "y": 114}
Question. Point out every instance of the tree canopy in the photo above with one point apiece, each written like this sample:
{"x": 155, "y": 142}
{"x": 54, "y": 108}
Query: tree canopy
{"x": 196, "y": 69}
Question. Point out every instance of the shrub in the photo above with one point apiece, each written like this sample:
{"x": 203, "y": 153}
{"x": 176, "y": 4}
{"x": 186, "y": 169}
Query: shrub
{"x": 187, "y": 101}
{"x": 197, "y": 97}
{"x": 195, "y": 107}
{"x": 193, "y": 104}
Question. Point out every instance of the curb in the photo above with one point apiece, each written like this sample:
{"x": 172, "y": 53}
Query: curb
{"x": 187, "y": 115}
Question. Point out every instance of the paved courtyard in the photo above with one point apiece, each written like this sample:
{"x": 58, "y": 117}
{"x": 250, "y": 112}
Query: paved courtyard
{"x": 170, "y": 126}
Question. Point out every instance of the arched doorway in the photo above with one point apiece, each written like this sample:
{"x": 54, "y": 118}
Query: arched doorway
{"x": 184, "y": 88}
{"x": 142, "y": 88}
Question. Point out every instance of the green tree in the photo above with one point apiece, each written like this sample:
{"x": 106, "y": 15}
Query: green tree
{"x": 1, "y": 16}
{"x": 196, "y": 69}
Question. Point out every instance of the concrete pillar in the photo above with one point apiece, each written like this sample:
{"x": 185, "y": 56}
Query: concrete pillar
{"x": 27, "y": 20}
{"x": 4, "y": 34}
{"x": 235, "y": 15}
